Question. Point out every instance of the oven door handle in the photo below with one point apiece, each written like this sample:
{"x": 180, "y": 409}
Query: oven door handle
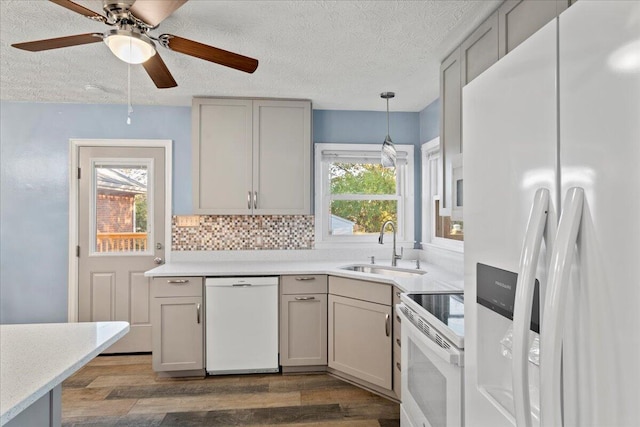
{"x": 451, "y": 355}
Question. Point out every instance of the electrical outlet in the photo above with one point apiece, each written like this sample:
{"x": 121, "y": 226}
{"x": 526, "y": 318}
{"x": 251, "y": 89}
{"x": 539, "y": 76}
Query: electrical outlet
{"x": 188, "y": 220}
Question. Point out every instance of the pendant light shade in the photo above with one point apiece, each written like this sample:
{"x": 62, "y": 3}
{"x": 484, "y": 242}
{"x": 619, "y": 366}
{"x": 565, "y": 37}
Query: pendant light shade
{"x": 388, "y": 155}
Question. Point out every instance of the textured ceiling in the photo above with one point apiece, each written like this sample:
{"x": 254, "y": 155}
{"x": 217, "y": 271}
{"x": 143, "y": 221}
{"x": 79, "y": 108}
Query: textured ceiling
{"x": 339, "y": 54}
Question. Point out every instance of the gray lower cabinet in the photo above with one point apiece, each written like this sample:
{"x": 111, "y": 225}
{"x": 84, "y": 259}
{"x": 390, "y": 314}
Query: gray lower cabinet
{"x": 177, "y": 318}
{"x": 303, "y": 322}
{"x": 360, "y": 332}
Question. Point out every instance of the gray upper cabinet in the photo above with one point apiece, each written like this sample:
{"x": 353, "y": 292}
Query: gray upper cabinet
{"x": 282, "y": 157}
{"x": 480, "y": 50}
{"x": 251, "y": 156}
{"x": 450, "y": 122}
{"x": 519, "y": 19}
{"x": 507, "y": 27}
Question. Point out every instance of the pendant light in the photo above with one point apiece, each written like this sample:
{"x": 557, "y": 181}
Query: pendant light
{"x": 388, "y": 149}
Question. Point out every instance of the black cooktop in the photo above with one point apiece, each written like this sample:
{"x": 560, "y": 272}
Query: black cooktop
{"x": 447, "y": 308}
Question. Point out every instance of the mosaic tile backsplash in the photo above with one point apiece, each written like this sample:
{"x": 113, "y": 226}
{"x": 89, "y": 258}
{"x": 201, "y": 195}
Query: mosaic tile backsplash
{"x": 244, "y": 232}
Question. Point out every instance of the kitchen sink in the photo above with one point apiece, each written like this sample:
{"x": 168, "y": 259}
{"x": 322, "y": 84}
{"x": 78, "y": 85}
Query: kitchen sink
{"x": 384, "y": 270}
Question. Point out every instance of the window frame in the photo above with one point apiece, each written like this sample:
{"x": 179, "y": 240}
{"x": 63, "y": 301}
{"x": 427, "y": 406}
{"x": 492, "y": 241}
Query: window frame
{"x": 430, "y": 169}
{"x": 404, "y": 195}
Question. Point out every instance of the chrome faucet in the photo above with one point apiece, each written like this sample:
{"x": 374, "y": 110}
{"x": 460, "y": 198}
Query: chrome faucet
{"x": 394, "y": 257}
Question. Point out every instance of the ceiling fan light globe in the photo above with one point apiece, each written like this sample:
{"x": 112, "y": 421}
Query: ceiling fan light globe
{"x": 130, "y": 49}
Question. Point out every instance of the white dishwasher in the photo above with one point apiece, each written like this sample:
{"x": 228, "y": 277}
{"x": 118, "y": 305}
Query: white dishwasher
{"x": 241, "y": 325}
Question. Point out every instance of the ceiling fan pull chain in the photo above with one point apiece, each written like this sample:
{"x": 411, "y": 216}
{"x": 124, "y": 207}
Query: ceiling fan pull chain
{"x": 129, "y": 106}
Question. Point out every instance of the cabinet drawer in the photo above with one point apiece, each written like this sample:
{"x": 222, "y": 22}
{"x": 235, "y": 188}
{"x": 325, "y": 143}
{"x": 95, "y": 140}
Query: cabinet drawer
{"x": 303, "y": 284}
{"x": 379, "y": 293}
{"x": 176, "y": 287}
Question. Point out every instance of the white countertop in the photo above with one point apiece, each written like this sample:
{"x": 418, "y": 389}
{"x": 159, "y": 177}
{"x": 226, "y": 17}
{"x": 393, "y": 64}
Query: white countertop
{"x": 435, "y": 280}
{"x": 35, "y": 358}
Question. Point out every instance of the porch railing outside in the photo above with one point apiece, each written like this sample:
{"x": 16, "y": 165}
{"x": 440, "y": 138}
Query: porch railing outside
{"x": 121, "y": 242}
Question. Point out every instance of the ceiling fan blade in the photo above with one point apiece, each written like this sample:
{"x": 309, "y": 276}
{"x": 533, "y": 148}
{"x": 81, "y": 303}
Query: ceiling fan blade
{"x": 46, "y": 44}
{"x": 159, "y": 72}
{"x": 153, "y": 12}
{"x": 210, "y": 53}
{"x": 80, "y": 9}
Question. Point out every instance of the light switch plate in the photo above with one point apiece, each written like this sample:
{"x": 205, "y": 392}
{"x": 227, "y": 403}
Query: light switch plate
{"x": 188, "y": 220}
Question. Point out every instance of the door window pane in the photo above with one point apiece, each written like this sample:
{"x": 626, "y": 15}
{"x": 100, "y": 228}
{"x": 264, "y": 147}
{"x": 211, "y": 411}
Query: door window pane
{"x": 121, "y": 210}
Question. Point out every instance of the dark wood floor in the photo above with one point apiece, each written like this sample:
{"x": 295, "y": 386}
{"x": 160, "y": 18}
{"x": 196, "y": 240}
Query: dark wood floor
{"x": 124, "y": 391}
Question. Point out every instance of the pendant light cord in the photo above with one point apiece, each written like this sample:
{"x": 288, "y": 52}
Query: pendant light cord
{"x": 129, "y": 106}
{"x": 388, "y": 117}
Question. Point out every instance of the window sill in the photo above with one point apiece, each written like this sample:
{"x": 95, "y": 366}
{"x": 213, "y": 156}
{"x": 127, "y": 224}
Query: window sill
{"x": 453, "y": 246}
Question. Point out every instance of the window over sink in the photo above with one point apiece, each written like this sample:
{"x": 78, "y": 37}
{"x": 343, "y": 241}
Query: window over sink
{"x": 355, "y": 194}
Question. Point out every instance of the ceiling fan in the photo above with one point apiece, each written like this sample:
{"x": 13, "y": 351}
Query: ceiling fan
{"x": 130, "y": 40}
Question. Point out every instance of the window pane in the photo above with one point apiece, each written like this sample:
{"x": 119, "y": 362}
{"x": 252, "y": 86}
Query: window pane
{"x": 361, "y": 178}
{"x": 445, "y": 227}
{"x": 121, "y": 208}
{"x": 361, "y": 216}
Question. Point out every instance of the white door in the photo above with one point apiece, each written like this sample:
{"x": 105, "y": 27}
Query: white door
{"x": 600, "y": 152}
{"x": 120, "y": 236}
{"x": 509, "y": 125}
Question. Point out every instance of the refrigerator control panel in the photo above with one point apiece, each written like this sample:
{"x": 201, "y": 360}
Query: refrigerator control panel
{"x": 497, "y": 292}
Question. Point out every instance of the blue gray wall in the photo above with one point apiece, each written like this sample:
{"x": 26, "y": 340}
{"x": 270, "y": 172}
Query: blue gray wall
{"x": 34, "y": 183}
{"x": 430, "y": 122}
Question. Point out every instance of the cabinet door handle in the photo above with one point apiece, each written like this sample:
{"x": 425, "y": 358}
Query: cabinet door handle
{"x": 198, "y": 313}
{"x": 249, "y": 200}
{"x": 178, "y": 281}
{"x": 387, "y": 328}
{"x": 398, "y": 366}
{"x": 305, "y": 298}
{"x": 305, "y": 278}
{"x": 398, "y": 342}
{"x": 255, "y": 200}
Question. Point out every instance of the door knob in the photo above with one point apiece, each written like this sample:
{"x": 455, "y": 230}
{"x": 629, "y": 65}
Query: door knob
{"x": 157, "y": 260}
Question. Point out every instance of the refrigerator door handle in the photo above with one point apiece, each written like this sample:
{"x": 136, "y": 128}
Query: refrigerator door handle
{"x": 525, "y": 286}
{"x": 555, "y": 306}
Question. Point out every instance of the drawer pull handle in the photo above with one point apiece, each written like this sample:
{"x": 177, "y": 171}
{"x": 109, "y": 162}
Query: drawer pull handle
{"x": 387, "y": 328}
{"x": 305, "y": 278}
{"x": 178, "y": 281}
{"x": 398, "y": 366}
{"x": 305, "y": 298}
{"x": 398, "y": 342}
{"x": 198, "y": 313}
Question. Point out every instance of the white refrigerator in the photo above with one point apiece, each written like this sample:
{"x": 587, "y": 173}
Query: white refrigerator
{"x": 552, "y": 226}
